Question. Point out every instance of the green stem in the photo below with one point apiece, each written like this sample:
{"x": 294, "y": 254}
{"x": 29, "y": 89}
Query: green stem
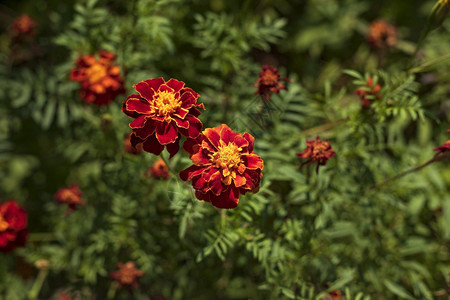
{"x": 389, "y": 180}
{"x": 36, "y": 288}
{"x": 427, "y": 64}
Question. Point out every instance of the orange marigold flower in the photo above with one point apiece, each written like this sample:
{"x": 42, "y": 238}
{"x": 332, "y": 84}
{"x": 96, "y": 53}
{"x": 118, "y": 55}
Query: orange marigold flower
{"x": 163, "y": 112}
{"x": 159, "y": 169}
{"x": 127, "y": 275}
{"x": 381, "y": 34}
{"x": 129, "y": 147}
{"x": 13, "y": 220}
{"x": 70, "y": 196}
{"x": 269, "y": 82}
{"x": 224, "y": 166}
{"x": 100, "y": 78}
{"x": 23, "y": 25}
{"x": 369, "y": 92}
{"x": 317, "y": 150}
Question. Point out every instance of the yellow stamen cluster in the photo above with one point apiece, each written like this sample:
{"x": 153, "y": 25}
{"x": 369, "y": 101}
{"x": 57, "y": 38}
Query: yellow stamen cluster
{"x": 228, "y": 157}
{"x": 96, "y": 73}
{"x": 165, "y": 104}
{"x": 3, "y": 224}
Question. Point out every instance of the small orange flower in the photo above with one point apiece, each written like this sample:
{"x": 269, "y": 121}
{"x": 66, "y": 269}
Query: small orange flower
{"x": 224, "y": 166}
{"x": 159, "y": 169}
{"x": 269, "y": 82}
{"x": 129, "y": 147}
{"x": 368, "y": 93}
{"x": 23, "y": 26}
{"x": 381, "y": 34}
{"x": 127, "y": 275}
{"x": 70, "y": 196}
{"x": 100, "y": 78}
{"x": 13, "y": 222}
{"x": 318, "y": 150}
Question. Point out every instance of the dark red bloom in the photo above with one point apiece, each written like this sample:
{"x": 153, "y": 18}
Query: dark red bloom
{"x": 381, "y": 34}
{"x": 13, "y": 220}
{"x": 23, "y": 26}
{"x": 70, "y": 196}
{"x": 224, "y": 166}
{"x": 129, "y": 147}
{"x": 163, "y": 112}
{"x": 368, "y": 93}
{"x": 269, "y": 82}
{"x": 317, "y": 150}
{"x": 127, "y": 275}
{"x": 159, "y": 169}
{"x": 100, "y": 78}
{"x": 445, "y": 146}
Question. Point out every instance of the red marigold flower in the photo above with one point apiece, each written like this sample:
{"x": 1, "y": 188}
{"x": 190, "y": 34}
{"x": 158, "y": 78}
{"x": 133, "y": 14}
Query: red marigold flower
{"x": 224, "y": 166}
{"x": 129, "y": 147}
{"x": 444, "y": 147}
{"x": 23, "y": 25}
{"x": 100, "y": 78}
{"x": 369, "y": 92}
{"x": 317, "y": 150}
{"x": 13, "y": 220}
{"x": 127, "y": 275}
{"x": 70, "y": 196}
{"x": 381, "y": 34}
{"x": 159, "y": 169}
{"x": 163, "y": 111}
{"x": 269, "y": 82}
{"x": 334, "y": 295}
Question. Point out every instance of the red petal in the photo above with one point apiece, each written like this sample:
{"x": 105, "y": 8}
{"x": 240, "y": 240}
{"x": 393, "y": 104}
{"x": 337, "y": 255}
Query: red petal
{"x": 240, "y": 141}
{"x": 250, "y": 140}
{"x": 144, "y": 89}
{"x": 201, "y": 158}
{"x": 191, "y": 91}
{"x": 166, "y": 133}
{"x": 137, "y": 105}
{"x": 148, "y": 129}
{"x": 195, "y": 126}
{"x": 173, "y": 148}
{"x": 155, "y": 83}
{"x": 192, "y": 171}
{"x": 139, "y": 122}
{"x": 253, "y": 161}
{"x": 239, "y": 180}
{"x": 152, "y": 145}
{"x": 202, "y": 196}
{"x": 175, "y": 84}
{"x": 182, "y": 123}
{"x": 213, "y": 136}
{"x": 215, "y": 183}
{"x": 199, "y": 183}
{"x": 226, "y": 134}
{"x": 191, "y": 146}
{"x": 187, "y": 100}
{"x": 181, "y": 112}
{"x": 228, "y": 199}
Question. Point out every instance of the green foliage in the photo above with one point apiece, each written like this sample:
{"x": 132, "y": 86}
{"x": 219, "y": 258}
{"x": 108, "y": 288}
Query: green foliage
{"x": 304, "y": 234}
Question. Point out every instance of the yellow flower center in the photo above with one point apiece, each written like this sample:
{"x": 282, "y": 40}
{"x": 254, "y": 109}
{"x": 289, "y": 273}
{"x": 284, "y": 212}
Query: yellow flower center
{"x": 3, "y": 224}
{"x": 227, "y": 158}
{"x": 165, "y": 103}
{"x": 269, "y": 77}
{"x": 96, "y": 73}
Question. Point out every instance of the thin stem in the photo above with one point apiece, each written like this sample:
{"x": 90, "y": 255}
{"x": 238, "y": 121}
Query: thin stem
{"x": 36, "y": 288}
{"x": 389, "y": 180}
{"x": 427, "y": 64}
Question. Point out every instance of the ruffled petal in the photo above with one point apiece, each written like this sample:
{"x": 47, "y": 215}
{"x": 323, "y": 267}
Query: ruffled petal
{"x": 250, "y": 140}
{"x": 176, "y": 85}
{"x": 239, "y": 180}
{"x": 253, "y": 161}
{"x": 152, "y": 145}
{"x": 173, "y": 148}
{"x": 166, "y": 133}
{"x": 140, "y": 105}
{"x": 192, "y": 171}
{"x": 195, "y": 126}
{"x": 212, "y": 136}
{"x": 148, "y": 129}
{"x": 181, "y": 123}
{"x": 145, "y": 90}
{"x": 139, "y": 122}
{"x": 155, "y": 83}
{"x": 228, "y": 199}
